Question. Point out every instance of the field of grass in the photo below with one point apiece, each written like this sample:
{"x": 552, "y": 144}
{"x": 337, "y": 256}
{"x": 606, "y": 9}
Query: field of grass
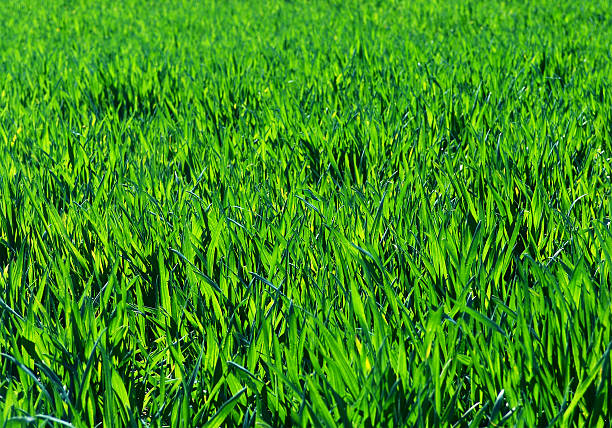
{"x": 305, "y": 213}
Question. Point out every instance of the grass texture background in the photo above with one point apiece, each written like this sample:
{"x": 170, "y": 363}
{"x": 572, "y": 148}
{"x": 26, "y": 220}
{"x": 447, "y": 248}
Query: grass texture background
{"x": 302, "y": 213}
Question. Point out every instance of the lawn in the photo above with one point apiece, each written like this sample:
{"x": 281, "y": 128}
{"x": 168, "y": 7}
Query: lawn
{"x": 305, "y": 213}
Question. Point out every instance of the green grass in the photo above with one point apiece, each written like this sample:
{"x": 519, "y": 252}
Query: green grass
{"x": 299, "y": 213}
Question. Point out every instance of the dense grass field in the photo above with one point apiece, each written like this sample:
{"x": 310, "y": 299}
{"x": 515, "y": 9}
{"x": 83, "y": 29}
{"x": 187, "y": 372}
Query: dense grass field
{"x": 305, "y": 213}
